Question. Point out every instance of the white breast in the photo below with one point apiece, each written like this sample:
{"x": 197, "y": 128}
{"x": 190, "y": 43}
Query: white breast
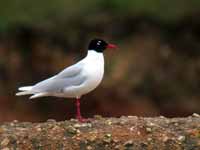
{"x": 93, "y": 70}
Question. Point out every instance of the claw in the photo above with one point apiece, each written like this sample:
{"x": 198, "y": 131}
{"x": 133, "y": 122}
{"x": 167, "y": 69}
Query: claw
{"x": 82, "y": 120}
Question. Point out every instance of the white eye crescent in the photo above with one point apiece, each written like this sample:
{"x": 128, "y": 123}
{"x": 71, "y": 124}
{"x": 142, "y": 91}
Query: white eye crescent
{"x": 99, "y": 42}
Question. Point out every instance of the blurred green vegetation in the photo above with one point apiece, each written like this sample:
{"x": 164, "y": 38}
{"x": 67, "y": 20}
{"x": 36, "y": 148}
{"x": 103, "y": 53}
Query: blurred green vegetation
{"x": 37, "y": 12}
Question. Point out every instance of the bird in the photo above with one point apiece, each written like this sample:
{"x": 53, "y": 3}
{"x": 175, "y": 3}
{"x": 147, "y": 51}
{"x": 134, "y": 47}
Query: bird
{"x": 75, "y": 80}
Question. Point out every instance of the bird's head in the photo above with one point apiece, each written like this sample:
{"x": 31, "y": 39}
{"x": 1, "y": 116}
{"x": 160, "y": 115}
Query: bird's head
{"x": 100, "y": 45}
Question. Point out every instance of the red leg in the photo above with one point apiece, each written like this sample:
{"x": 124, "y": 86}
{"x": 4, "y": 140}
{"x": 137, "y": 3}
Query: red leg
{"x": 78, "y": 111}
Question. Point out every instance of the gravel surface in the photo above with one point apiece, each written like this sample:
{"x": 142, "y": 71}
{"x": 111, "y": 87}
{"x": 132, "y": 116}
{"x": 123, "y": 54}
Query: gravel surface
{"x": 126, "y": 132}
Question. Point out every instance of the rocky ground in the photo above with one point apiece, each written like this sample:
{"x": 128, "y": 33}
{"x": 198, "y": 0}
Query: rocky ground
{"x": 100, "y": 133}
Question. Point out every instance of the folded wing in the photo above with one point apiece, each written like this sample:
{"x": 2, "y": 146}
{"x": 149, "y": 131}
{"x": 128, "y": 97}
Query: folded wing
{"x": 71, "y": 76}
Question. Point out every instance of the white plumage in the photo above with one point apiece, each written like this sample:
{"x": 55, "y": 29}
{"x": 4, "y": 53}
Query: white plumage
{"x": 76, "y": 80}
{"x": 73, "y": 81}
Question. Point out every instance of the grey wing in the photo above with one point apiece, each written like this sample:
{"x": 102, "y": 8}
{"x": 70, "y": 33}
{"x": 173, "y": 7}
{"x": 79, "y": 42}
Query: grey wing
{"x": 71, "y": 71}
{"x": 70, "y": 76}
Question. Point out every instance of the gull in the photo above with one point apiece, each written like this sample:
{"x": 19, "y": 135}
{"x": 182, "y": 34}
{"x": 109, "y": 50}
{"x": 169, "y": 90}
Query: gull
{"x": 75, "y": 80}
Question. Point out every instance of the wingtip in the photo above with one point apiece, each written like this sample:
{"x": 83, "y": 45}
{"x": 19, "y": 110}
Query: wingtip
{"x": 25, "y": 88}
{"x": 38, "y": 95}
{"x": 23, "y": 93}
{"x": 17, "y": 94}
{"x": 30, "y": 98}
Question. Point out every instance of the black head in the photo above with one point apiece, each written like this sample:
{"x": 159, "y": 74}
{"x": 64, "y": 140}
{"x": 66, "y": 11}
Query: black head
{"x": 99, "y": 45}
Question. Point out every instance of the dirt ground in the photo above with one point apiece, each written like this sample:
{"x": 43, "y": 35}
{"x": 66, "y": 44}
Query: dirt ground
{"x": 126, "y": 132}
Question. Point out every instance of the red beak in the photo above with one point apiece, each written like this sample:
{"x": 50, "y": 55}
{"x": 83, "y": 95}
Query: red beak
{"x": 111, "y": 46}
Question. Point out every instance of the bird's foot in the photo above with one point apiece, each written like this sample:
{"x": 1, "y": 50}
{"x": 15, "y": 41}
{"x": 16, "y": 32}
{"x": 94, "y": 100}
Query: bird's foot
{"x": 82, "y": 120}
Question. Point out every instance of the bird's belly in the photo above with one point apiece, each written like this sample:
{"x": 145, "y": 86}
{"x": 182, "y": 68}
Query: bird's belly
{"x": 94, "y": 75}
{"x": 78, "y": 91}
{"x": 89, "y": 84}
{"x": 93, "y": 71}
{"x": 92, "y": 82}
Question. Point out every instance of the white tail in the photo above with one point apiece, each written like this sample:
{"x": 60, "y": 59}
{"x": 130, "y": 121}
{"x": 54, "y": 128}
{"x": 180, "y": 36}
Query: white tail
{"x": 25, "y": 88}
{"x": 23, "y": 93}
{"x": 38, "y": 95}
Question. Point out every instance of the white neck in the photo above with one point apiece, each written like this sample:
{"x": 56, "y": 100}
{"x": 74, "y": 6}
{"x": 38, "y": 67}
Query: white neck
{"x": 93, "y": 54}
{"x": 93, "y": 51}
{"x": 94, "y": 57}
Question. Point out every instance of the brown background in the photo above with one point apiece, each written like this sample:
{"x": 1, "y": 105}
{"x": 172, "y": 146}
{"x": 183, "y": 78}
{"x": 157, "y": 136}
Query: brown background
{"x": 155, "y": 70}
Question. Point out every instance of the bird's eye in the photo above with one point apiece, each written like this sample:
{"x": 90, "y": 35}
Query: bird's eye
{"x": 99, "y": 42}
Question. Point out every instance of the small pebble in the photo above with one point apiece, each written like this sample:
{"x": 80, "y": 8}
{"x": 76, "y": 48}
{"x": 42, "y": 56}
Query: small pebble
{"x": 78, "y": 125}
{"x": 128, "y": 143}
{"x": 64, "y": 138}
{"x": 167, "y": 121}
{"x": 89, "y": 147}
{"x": 150, "y": 124}
{"x": 98, "y": 117}
{"x": 123, "y": 117}
{"x": 107, "y": 138}
{"x": 108, "y": 135}
{"x": 72, "y": 119}
{"x": 6, "y": 148}
{"x": 109, "y": 122}
{"x": 162, "y": 117}
{"x": 195, "y": 115}
{"x": 1, "y": 130}
{"x": 5, "y": 142}
{"x": 51, "y": 120}
{"x": 15, "y": 121}
{"x": 132, "y": 128}
{"x": 71, "y": 130}
{"x": 117, "y": 147}
{"x": 21, "y": 129}
{"x": 92, "y": 138}
{"x": 12, "y": 124}
{"x": 56, "y": 128}
{"x": 39, "y": 129}
{"x": 181, "y": 138}
{"x": 115, "y": 140}
{"x": 165, "y": 139}
{"x": 122, "y": 123}
{"x": 148, "y": 130}
{"x": 133, "y": 117}
{"x": 176, "y": 124}
{"x": 138, "y": 133}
